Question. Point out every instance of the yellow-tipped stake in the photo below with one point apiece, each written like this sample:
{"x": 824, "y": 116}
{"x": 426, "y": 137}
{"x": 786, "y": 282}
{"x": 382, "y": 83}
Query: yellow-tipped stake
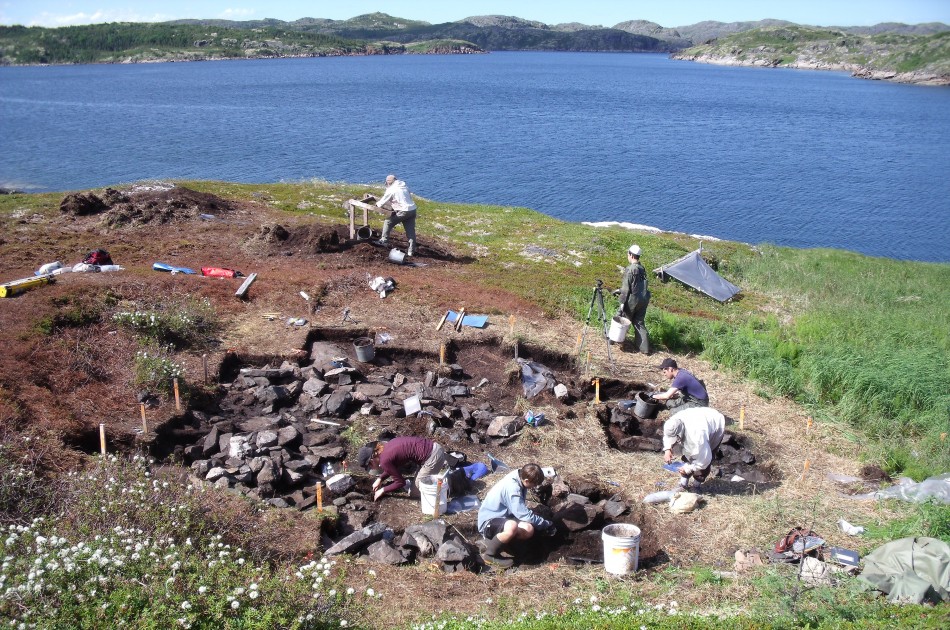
{"x": 808, "y": 425}
{"x": 805, "y": 469}
{"x": 441, "y": 355}
{"x": 577, "y": 346}
{"x": 177, "y": 397}
{"x": 511, "y": 324}
{"x": 742, "y": 417}
{"x": 596, "y": 384}
{"x": 144, "y": 421}
{"x": 102, "y": 439}
{"x": 319, "y": 496}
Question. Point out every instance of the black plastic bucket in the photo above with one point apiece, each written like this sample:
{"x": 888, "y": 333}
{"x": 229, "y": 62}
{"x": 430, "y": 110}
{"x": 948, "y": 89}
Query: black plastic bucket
{"x": 646, "y": 407}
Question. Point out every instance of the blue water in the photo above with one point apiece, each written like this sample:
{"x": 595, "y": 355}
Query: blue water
{"x": 799, "y": 158}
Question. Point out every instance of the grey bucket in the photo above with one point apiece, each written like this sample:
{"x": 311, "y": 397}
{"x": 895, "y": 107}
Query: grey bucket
{"x": 365, "y": 349}
{"x": 646, "y": 408}
{"x": 364, "y": 233}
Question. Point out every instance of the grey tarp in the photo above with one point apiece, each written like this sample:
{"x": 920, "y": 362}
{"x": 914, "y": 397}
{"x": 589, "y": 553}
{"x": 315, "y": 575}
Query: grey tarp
{"x": 910, "y": 570}
{"x": 693, "y": 271}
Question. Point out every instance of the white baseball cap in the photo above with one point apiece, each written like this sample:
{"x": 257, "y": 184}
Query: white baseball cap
{"x": 634, "y": 250}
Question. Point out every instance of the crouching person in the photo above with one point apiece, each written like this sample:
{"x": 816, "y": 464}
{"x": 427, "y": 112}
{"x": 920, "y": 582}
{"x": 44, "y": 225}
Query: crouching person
{"x": 505, "y": 520}
{"x": 397, "y": 454}
{"x": 700, "y": 431}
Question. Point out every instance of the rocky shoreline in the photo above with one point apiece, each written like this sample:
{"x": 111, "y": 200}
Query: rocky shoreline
{"x": 860, "y": 72}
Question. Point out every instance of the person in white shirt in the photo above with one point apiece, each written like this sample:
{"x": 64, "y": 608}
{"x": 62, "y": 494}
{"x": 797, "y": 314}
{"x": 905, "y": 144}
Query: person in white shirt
{"x": 700, "y": 431}
{"x": 398, "y": 200}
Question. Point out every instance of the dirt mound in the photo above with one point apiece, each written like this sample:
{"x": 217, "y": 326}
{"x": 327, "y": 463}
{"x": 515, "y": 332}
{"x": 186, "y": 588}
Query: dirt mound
{"x": 307, "y": 239}
{"x": 162, "y": 206}
{"x": 82, "y": 204}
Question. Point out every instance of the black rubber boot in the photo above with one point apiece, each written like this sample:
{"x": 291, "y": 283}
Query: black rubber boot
{"x": 492, "y": 554}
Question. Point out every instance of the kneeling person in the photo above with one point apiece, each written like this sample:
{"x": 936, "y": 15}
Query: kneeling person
{"x": 685, "y": 389}
{"x": 700, "y": 431}
{"x": 392, "y": 456}
{"x": 504, "y": 518}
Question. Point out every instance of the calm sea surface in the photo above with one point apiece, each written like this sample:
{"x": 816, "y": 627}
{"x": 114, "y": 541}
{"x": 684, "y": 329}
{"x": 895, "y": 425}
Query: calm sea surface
{"x": 799, "y": 158}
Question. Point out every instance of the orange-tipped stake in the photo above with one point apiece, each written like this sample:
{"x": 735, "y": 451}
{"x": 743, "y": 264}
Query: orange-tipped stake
{"x": 319, "y": 496}
{"x": 808, "y": 425}
{"x": 441, "y": 355}
{"x": 596, "y": 383}
{"x": 102, "y": 439}
{"x": 144, "y": 421}
{"x": 177, "y": 397}
{"x": 742, "y": 417}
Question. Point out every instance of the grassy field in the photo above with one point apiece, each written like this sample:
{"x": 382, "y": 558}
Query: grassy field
{"x": 861, "y": 342}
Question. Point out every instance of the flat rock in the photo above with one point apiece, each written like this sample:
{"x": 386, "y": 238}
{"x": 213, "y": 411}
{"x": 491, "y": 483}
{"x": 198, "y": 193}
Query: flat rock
{"x": 384, "y": 552}
{"x": 359, "y": 540}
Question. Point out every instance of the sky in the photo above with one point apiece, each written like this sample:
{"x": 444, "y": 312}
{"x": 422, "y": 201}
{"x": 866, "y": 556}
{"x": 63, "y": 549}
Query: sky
{"x": 668, "y": 13}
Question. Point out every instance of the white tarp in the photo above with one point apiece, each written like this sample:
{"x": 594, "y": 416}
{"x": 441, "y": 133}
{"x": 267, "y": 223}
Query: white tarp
{"x": 693, "y": 271}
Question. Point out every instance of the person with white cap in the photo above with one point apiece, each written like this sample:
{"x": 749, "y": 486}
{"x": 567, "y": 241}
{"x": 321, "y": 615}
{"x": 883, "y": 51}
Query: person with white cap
{"x": 635, "y": 297}
{"x": 700, "y": 431}
{"x": 398, "y": 200}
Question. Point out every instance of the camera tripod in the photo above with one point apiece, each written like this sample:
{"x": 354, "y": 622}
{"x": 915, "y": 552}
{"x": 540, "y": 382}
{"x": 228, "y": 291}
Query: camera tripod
{"x": 597, "y": 299}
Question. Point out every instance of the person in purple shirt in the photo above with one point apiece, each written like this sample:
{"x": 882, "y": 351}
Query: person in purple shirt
{"x": 685, "y": 389}
{"x": 399, "y": 453}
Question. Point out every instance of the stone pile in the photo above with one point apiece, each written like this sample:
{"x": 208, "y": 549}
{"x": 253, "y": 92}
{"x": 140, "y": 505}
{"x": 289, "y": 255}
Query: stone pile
{"x": 283, "y": 428}
{"x": 573, "y": 510}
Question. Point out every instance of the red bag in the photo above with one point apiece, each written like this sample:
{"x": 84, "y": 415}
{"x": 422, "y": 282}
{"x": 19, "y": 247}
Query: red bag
{"x": 218, "y": 272}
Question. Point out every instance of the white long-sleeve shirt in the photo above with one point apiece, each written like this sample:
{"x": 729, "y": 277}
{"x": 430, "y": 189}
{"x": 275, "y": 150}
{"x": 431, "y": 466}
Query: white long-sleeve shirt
{"x": 397, "y": 194}
{"x": 700, "y": 429}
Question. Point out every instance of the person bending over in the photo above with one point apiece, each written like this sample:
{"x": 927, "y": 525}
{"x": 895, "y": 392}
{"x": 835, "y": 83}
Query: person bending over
{"x": 398, "y": 201}
{"x": 391, "y": 457}
{"x": 700, "y": 431}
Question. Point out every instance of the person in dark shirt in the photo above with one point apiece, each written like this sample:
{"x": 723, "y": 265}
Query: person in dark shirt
{"x": 399, "y": 453}
{"x": 685, "y": 389}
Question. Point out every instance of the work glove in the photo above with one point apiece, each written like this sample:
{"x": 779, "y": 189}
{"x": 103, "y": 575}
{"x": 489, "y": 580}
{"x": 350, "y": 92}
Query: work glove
{"x": 550, "y": 532}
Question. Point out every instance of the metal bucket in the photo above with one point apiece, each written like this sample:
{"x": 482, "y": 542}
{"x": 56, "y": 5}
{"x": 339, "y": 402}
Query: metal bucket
{"x": 618, "y": 329}
{"x": 396, "y": 256}
{"x": 364, "y": 233}
{"x": 365, "y": 349}
{"x": 646, "y": 408}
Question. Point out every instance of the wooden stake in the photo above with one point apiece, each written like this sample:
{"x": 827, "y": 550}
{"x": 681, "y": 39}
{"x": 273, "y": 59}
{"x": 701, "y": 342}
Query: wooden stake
{"x": 808, "y": 425}
{"x": 204, "y": 364}
{"x": 319, "y": 496}
{"x": 458, "y": 324}
{"x": 102, "y": 439}
{"x": 442, "y": 321}
{"x": 805, "y": 469}
{"x": 511, "y": 324}
{"x": 438, "y": 498}
{"x": 588, "y": 363}
{"x": 577, "y": 346}
{"x": 441, "y": 355}
{"x": 596, "y": 383}
{"x": 177, "y": 396}
{"x": 144, "y": 421}
{"x": 741, "y": 417}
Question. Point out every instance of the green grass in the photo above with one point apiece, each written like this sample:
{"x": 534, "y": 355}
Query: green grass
{"x": 930, "y": 519}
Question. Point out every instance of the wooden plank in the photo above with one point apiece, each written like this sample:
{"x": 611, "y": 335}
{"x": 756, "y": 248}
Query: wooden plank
{"x": 242, "y": 291}
{"x": 442, "y": 321}
{"x": 367, "y": 206}
{"x": 349, "y": 209}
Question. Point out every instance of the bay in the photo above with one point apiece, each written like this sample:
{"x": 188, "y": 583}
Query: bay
{"x": 797, "y": 158}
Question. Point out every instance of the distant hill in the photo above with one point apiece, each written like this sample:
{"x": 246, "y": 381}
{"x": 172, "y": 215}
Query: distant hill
{"x": 922, "y": 59}
{"x": 895, "y": 50}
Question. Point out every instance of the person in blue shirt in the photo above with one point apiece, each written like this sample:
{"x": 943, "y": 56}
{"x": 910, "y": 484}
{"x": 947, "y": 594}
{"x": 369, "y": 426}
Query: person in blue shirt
{"x": 685, "y": 389}
{"x": 504, "y": 518}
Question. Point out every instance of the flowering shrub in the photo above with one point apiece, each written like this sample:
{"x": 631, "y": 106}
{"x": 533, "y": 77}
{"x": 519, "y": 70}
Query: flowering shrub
{"x": 184, "y": 324}
{"x": 131, "y": 550}
{"x": 155, "y": 369}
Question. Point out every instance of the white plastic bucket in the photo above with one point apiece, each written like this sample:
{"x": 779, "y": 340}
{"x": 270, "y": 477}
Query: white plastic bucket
{"x": 428, "y": 487}
{"x": 618, "y": 329}
{"x": 621, "y": 548}
{"x": 397, "y": 256}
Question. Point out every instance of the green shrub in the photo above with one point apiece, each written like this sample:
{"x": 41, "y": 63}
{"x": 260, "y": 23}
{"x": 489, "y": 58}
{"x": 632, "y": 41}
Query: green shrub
{"x": 133, "y": 550}
{"x": 186, "y": 324}
{"x": 156, "y": 370}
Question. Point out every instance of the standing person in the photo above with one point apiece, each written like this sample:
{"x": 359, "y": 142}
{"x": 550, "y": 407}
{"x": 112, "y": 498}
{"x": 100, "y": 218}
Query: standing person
{"x": 398, "y": 453}
{"x": 635, "y": 297}
{"x": 504, "y": 517}
{"x": 398, "y": 200}
{"x": 685, "y": 389}
{"x": 700, "y": 431}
